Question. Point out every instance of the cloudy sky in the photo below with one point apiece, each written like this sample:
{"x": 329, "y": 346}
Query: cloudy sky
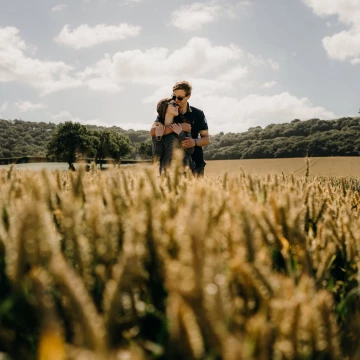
{"x": 251, "y": 63}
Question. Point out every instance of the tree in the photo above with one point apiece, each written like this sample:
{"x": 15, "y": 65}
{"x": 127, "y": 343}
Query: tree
{"x": 145, "y": 148}
{"x": 112, "y": 144}
{"x": 69, "y": 140}
{"x": 123, "y": 147}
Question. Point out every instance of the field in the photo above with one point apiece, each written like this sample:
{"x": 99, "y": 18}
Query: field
{"x": 319, "y": 166}
{"x": 244, "y": 264}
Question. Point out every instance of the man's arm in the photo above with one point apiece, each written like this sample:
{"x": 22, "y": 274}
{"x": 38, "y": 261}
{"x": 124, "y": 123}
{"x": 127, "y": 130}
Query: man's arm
{"x": 205, "y": 138}
{"x": 203, "y": 141}
{"x": 184, "y": 126}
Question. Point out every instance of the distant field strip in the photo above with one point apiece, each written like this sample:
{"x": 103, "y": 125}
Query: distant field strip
{"x": 319, "y": 166}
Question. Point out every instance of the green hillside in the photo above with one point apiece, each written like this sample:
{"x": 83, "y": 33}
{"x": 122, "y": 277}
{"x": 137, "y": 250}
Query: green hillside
{"x": 315, "y": 137}
{"x": 24, "y": 138}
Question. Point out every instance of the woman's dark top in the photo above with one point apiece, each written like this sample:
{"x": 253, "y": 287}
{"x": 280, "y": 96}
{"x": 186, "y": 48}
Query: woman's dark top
{"x": 163, "y": 149}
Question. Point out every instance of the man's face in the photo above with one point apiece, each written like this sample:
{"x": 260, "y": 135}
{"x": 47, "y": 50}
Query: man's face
{"x": 181, "y": 98}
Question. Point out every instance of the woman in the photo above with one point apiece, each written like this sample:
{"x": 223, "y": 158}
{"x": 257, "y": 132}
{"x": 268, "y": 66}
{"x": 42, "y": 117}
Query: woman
{"x": 163, "y": 145}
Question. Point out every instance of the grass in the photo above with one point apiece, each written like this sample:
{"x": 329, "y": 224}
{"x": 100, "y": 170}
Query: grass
{"x": 123, "y": 264}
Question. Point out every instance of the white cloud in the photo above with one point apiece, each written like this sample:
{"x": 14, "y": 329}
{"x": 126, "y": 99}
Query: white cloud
{"x": 59, "y": 7}
{"x": 269, "y": 84}
{"x": 355, "y": 61}
{"x": 86, "y": 36}
{"x": 347, "y": 10}
{"x": 200, "y": 86}
{"x": 259, "y": 61}
{"x": 346, "y": 44}
{"x": 194, "y": 16}
{"x": 158, "y": 66}
{"x": 46, "y": 76}
{"x": 65, "y": 115}
{"x": 236, "y": 73}
{"x": 103, "y": 85}
{"x": 231, "y": 114}
{"x": 26, "y": 106}
{"x": 223, "y": 69}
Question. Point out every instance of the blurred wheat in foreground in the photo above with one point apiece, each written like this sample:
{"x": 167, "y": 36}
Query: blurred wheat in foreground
{"x": 124, "y": 265}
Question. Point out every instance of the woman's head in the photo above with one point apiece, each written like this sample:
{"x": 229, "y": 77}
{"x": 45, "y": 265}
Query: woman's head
{"x": 167, "y": 106}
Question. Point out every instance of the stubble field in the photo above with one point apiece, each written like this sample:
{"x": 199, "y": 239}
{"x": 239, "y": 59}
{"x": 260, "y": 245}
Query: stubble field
{"x": 123, "y": 264}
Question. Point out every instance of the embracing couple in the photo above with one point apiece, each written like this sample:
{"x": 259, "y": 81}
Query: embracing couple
{"x": 180, "y": 125}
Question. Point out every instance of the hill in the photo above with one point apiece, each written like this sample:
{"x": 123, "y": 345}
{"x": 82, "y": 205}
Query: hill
{"x": 314, "y": 137}
{"x": 24, "y": 138}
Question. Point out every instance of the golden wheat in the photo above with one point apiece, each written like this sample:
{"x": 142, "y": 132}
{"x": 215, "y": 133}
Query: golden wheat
{"x": 120, "y": 265}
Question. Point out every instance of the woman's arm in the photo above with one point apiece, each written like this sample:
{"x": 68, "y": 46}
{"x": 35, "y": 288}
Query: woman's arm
{"x": 182, "y": 137}
{"x": 168, "y": 130}
{"x": 157, "y": 148}
{"x": 158, "y": 142}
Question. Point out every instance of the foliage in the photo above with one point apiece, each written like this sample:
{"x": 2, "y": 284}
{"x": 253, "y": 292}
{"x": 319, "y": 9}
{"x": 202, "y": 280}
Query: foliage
{"x": 23, "y": 138}
{"x": 313, "y": 137}
{"x": 295, "y": 139}
{"x": 112, "y": 144}
{"x": 129, "y": 265}
{"x": 145, "y": 148}
{"x": 69, "y": 140}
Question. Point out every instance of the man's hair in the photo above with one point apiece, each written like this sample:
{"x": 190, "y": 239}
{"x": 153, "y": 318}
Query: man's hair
{"x": 183, "y": 85}
{"x": 161, "y": 108}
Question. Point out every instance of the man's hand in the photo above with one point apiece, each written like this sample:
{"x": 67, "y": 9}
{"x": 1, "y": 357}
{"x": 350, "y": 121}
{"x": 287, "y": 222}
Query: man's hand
{"x": 186, "y": 127}
{"x": 188, "y": 143}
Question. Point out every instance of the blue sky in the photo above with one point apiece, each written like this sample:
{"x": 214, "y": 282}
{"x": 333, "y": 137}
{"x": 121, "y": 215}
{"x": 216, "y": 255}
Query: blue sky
{"x": 108, "y": 62}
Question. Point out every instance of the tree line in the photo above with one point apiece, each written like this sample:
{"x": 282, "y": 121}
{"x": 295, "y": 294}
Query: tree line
{"x": 20, "y": 138}
{"x": 314, "y": 137}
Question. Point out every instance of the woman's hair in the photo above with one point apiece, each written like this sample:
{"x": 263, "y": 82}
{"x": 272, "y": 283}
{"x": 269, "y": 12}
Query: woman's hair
{"x": 161, "y": 108}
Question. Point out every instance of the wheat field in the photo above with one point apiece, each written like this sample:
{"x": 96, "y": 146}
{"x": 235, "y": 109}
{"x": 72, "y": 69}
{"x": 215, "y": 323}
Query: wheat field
{"x": 123, "y": 264}
{"x": 319, "y": 166}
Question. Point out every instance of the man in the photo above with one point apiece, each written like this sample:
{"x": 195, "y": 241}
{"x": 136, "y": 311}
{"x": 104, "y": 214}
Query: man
{"x": 196, "y": 123}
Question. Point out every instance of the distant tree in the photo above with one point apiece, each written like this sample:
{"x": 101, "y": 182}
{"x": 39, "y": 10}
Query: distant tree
{"x": 70, "y": 139}
{"x": 123, "y": 147}
{"x": 145, "y": 148}
{"x": 112, "y": 144}
{"x": 105, "y": 145}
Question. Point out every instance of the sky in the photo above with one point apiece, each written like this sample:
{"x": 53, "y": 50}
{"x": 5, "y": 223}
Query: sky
{"x": 108, "y": 62}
